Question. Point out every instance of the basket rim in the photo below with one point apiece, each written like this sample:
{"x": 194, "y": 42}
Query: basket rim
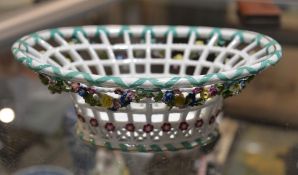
{"x": 273, "y": 51}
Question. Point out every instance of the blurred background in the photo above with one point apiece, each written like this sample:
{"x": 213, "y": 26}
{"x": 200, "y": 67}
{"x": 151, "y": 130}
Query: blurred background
{"x": 260, "y": 131}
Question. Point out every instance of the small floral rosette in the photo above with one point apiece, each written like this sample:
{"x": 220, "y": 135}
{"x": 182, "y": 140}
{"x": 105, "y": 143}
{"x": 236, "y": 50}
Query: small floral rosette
{"x": 147, "y": 88}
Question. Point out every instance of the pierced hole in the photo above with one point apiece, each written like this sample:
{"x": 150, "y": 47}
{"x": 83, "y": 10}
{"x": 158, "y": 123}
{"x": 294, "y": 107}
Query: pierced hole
{"x": 124, "y": 69}
{"x": 160, "y": 40}
{"x": 95, "y": 40}
{"x": 204, "y": 70}
{"x": 119, "y": 133}
{"x": 139, "y": 53}
{"x": 207, "y": 40}
{"x": 224, "y": 43}
{"x": 128, "y": 134}
{"x": 88, "y": 112}
{"x": 137, "y": 105}
{"x": 195, "y": 55}
{"x": 140, "y": 68}
{"x": 144, "y": 134}
{"x": 157, "y": 68}
{"x": 104, "y": 116}
{"x": 227, "y": 58}
{"x": 67, "y": 39}
{"x": 137, "y": 40}
{"x": 172, "y": 136}
{"x": 254, "y": 50}
{"x": 84, "y": 54}
{"x": 120, "y": 54}
{"x": 157, "y": 118}
{"x": 71, "y": 40}
{"x": 115, "y": 40}
{"x": 190, "y": 70}
{"x": 156, "y": 138}
{"x": 56, "y": 60}
{"x": 140, "y": 138}
{"x": 211, "y": 57}
{"x": 174, "y": 117}
{"x": 177, "y": 55}
{"x": 191, "y": 115}
{"x": 80, "y": 68}
{"x": 139, "y": 117}
{"x": 201, "y": 41}
{"x": 152, "y": 133}
{"x": 158, "y": 106}
{"x": 79, "y": 99}
{"x": 39, "y": 48}
{"x": 121, "y": 117}
{"x": 181, "y": 40}
{"x": 108, "y": 70}
{"x": 157, "y": 53}
{"x": 123, "y": 138}
{"x": 241, "y": 46}
{"x": 67, "y": 55}
{"x": 174, "y": 69}
{"x": 93, "y": 70}
{"x": 102, "y": 54}
{"x": 53, "y": 42}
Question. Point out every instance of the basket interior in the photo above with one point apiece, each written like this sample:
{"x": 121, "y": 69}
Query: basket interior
{"x": 158, "y": 54}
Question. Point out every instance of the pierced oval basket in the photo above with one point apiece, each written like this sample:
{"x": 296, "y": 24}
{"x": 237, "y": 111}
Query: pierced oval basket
{"x": 147, "y": 88}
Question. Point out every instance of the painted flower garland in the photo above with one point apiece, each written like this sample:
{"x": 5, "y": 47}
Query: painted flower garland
{"x": 172, "y": 98}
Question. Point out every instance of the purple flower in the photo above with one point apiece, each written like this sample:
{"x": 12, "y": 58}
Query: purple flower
{"x": 213, "y": 91}
{"x": 177, "y": 91}
{"x": 130, "y": 95}
{"x": 197, "y": 90}
{"x": 119, "y": 91}
{"x": 116, "y": 104}
{"x": 91, "y": 90}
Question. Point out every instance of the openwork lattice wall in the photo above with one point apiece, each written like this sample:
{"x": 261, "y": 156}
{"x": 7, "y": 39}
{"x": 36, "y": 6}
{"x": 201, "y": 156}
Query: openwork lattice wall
{"x": 171, "y": 79}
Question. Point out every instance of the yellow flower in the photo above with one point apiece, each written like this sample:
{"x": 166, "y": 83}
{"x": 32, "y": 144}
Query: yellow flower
{"x": 205, "y": 94}
{"x": 199, "y": 42}
{"x": 106, "y": 101}
{"x": 235, "y": 87}
{"x": 178, "y": 57}
{"x": 179, "y": 100}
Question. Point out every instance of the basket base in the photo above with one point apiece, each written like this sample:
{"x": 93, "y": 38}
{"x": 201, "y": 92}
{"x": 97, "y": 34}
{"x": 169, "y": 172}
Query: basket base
{"x": 205, "y": 144}
{"x": 161, "y": 130}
